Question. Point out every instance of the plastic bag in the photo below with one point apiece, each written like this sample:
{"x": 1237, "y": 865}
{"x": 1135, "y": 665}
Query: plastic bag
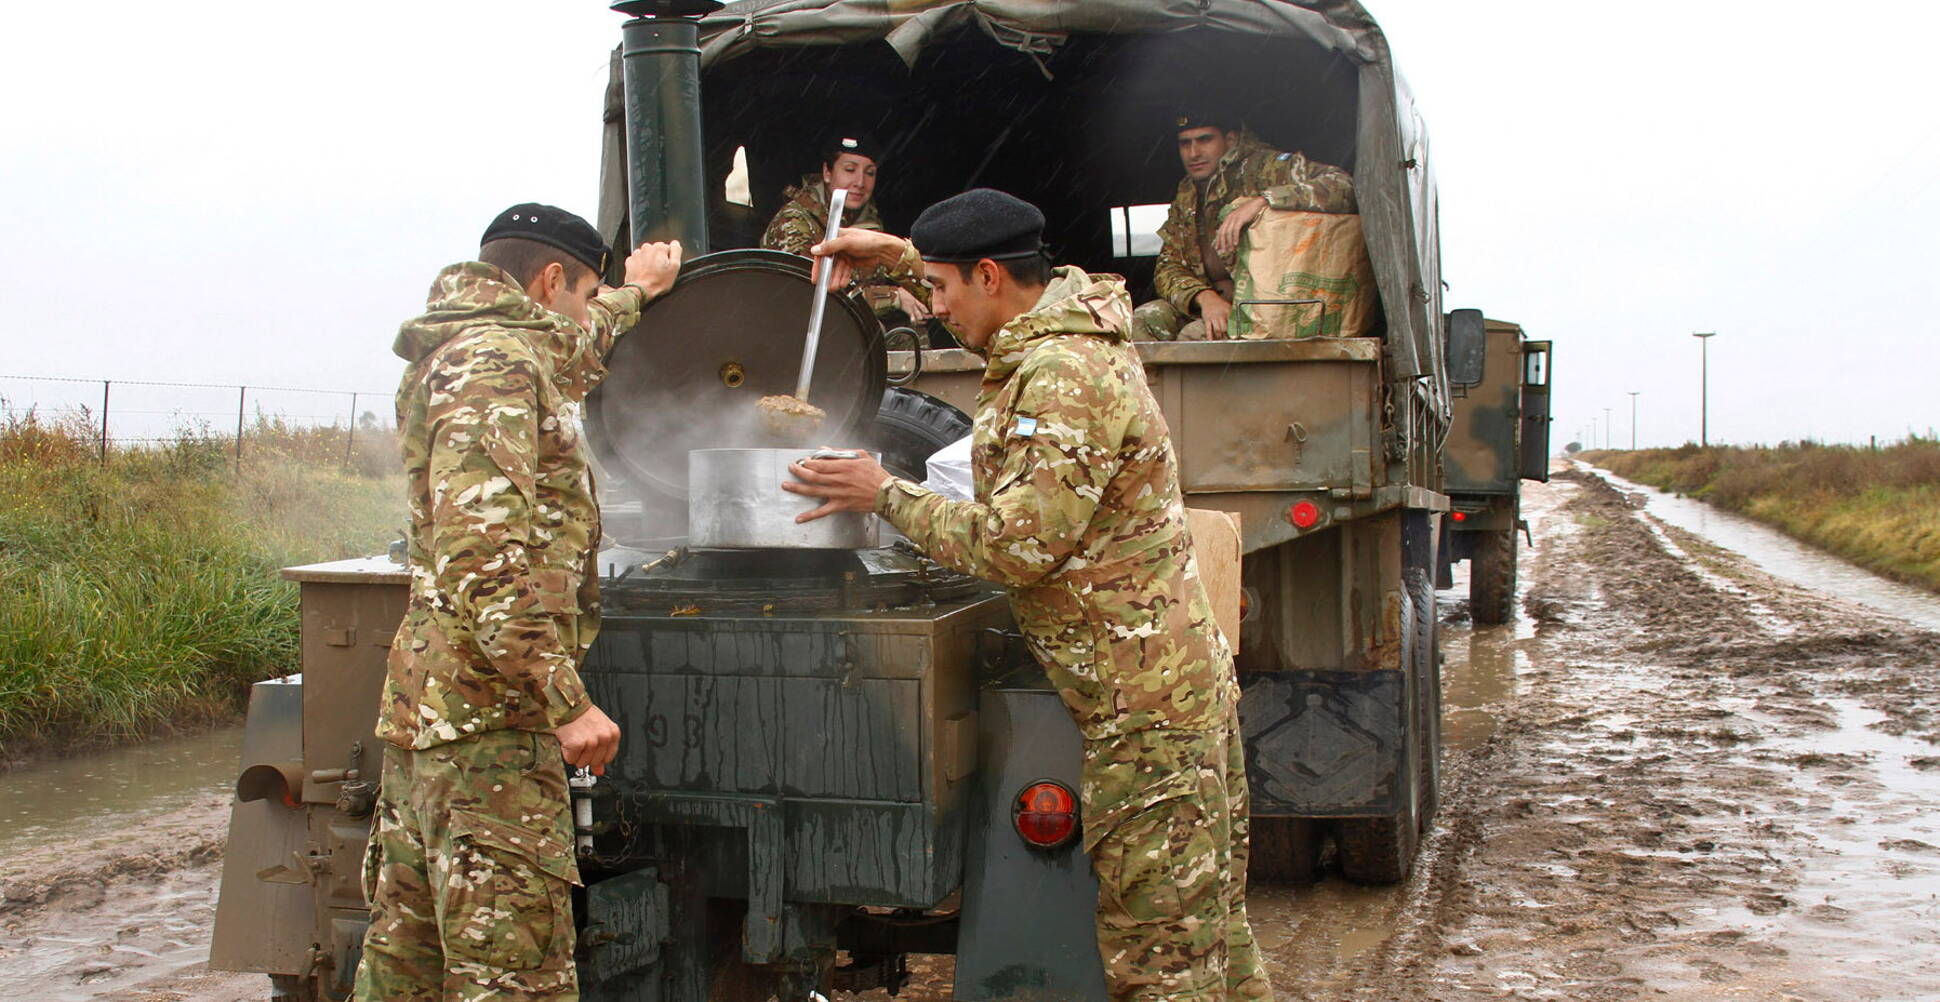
{"x": 949, "y": 471}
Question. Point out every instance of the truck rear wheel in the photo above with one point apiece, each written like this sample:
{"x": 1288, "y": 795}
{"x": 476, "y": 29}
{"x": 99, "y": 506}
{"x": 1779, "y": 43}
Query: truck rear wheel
{"x": 1381, "y": 850}
{"x": 1283, "y": 851}
{"x": 1492, "y": 578}
{"x": 1428, "y": 702}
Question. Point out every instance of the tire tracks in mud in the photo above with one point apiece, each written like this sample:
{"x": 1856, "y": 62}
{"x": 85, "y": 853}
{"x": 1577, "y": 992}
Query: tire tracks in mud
{"x": 1650, "y": 818}
{"x": 1653, "y": 815}
{"x": 103, "y": 916}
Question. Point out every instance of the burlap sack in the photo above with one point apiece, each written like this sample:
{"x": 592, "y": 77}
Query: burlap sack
{"x": 1303, "y": 255}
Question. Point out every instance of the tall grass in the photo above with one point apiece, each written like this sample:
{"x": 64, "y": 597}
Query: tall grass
{"x": 143, "y": 592}
{"x": 1878, "y": 507}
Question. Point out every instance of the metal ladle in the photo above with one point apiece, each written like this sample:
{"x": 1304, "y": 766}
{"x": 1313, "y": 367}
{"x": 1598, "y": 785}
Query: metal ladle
{"x": 836, "y": 202}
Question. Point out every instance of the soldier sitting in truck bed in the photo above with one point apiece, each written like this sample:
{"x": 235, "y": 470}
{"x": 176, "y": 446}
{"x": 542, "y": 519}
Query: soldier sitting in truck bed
{"x": 851, "y": 162}
{"x": 1225, "y": 166}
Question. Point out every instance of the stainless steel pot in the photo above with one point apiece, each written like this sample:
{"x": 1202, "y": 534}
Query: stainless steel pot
{"x": 735, "y": 501}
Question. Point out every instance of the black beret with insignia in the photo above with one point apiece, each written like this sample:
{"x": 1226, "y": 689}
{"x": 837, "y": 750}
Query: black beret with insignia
{"x": 552, "y": 226}
{"x": 861, "y": 144}
{"x": 980, "y": 223}
{"x": 1200, "y": 116}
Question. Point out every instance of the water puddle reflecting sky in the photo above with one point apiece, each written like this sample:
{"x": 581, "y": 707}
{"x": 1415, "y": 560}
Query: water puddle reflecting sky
{"x": 1784, "y": 557}
{"x": 69, "y": 799}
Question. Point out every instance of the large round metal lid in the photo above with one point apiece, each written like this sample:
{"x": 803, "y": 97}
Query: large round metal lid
{"x": 728, "y": 333}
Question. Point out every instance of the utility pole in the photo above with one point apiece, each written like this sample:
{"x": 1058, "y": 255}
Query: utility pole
{"x": 1633, "y": 420}
{"x": 1704, "y": 386}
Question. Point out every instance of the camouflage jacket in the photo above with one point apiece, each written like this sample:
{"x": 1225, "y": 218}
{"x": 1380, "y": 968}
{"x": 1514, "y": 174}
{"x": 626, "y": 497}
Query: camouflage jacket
{"x": 1078, "y": 512}
{"x": 802, "y": 221}
{"x": 503, "y": 514}
{"x": 1250, "y": 167}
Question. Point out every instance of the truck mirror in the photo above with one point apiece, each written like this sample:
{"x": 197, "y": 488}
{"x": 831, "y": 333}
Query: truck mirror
{"x": 1466, "y": 347}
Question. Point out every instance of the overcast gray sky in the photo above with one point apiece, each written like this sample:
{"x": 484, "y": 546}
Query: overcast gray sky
{"x": 236, "y": 191}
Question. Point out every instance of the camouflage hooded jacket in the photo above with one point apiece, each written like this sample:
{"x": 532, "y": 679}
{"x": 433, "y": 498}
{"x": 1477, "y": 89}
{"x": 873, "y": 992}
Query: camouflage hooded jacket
{"x": 1078, "y": 512}
{"x": 1287, "y": 180}
{"x": 803, "y": 219}
{"x": 503, "y": 516}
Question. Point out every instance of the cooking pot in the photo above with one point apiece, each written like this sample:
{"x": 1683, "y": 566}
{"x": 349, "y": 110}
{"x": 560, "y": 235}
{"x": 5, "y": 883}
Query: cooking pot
{"x": 735, "y": 501}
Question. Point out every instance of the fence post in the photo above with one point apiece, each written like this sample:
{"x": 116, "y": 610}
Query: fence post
{"x": 242, "y": 394}
{"x": 104, "y": 422}
{"x": 350, "y": 436}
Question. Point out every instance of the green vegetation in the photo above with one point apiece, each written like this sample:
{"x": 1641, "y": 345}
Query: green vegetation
{"x": 1879, "y": 508}
{"x": 143, "y": 592}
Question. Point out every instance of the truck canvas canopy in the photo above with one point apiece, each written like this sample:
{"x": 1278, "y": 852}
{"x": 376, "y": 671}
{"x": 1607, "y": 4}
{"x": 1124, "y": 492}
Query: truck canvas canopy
{"x": 1070, "y": 104}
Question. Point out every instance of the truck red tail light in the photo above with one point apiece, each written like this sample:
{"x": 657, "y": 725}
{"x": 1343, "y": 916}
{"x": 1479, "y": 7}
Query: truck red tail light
{"x": 1046, "y": 814}
{"x": 1304, "y": 514}
{"x": 1459, "y": 516}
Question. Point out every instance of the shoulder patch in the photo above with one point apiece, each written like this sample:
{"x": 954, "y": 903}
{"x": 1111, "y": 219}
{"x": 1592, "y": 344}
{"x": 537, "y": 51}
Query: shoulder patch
{"x": 1026, "y": 427}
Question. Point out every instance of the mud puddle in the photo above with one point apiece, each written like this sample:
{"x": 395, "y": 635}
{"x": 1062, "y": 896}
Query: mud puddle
{"x": 108, "y": 867}
{"x": 1711, "y": 783}
{"x": 112, "y": 790}
{"x": 1784, "y": 557}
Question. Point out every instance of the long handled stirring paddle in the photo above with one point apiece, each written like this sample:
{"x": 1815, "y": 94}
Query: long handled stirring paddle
{"x": 795, "y": 416}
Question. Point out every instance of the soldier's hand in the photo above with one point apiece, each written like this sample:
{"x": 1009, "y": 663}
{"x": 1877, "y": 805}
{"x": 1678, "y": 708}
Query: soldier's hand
{"x": 855, "y": 250}
{"x": 653, "y": 267}
{"x": 842, "y": 484}
{"x": 590, "y": 739}
{"x": 1216, "y": 311}
{"x": 911, "y": 306}
{"x": 1242, "y": 214}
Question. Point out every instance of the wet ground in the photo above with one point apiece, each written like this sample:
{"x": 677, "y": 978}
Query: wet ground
{"x": 1687, "y": 772}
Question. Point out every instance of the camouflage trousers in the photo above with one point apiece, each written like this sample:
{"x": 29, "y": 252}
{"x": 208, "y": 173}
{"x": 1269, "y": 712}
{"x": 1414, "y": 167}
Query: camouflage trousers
{"x": 1170, "y": 854}
{"x": 469, "y": 874}
{"x": 1159, "y": 320}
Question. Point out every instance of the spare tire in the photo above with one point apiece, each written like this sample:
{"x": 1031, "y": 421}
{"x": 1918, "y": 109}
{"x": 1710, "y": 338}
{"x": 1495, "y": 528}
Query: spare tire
{"x": 910, "y": 426}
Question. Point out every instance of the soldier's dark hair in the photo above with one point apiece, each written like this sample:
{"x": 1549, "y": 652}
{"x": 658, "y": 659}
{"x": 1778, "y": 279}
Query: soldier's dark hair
{"x": 1026, "y": 271}
{"x": 525, "y": 259}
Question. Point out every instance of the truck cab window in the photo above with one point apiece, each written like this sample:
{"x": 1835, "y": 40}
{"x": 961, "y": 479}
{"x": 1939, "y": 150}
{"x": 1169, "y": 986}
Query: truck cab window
{"x": 1135, "y": 230}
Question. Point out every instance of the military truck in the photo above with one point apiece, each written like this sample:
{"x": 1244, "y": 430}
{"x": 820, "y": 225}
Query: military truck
{"x": 845, "y": 755}
{"x": 1498, "y": 437}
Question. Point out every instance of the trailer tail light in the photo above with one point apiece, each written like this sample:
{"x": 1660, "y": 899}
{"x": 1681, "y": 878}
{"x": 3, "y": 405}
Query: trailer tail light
{"x": 1304, "y": 514}
{"x": 1046, "y": 814}
{"x": 1459, "y": 516}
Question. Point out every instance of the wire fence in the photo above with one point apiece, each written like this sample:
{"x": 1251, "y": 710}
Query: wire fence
{"x": 145, "y": 413}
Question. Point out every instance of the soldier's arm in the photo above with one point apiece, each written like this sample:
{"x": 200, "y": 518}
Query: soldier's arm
{"x": 614, "y": 313}
{"x": 907, "y": 272}
{"x": 1053, "y": 476}
{"x": 484, "y": 443}
{"x": 650, "y": 271}
{"x": 1176, "y": 277}
{"x": 1299, "y": 184}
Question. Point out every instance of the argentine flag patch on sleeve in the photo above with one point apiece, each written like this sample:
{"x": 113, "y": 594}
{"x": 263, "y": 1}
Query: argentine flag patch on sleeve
{"x": 1026, "y": 427}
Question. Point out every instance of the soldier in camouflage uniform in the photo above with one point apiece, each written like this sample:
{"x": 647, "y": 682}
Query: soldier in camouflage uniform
{"x": 470, "y": 869}
{"x": 802, "y": 221}
{"x": 1230, "y": 179}
{"x": 1078, "y": 511}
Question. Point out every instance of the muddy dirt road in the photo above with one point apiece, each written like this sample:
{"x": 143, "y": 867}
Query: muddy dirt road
{"x": 1676, "y": 777}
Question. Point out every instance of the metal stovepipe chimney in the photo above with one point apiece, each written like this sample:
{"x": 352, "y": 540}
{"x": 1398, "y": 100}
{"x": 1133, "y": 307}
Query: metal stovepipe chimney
{"x": 660, "y": 61}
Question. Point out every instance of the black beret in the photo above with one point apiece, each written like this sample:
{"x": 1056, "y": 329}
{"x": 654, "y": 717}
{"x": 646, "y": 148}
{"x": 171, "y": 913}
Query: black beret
{"x": 980, "y": 223}
{"x": 861, "y": 144}
{"x": 1203, "y": 116}
{"x": 552, "y": 226}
